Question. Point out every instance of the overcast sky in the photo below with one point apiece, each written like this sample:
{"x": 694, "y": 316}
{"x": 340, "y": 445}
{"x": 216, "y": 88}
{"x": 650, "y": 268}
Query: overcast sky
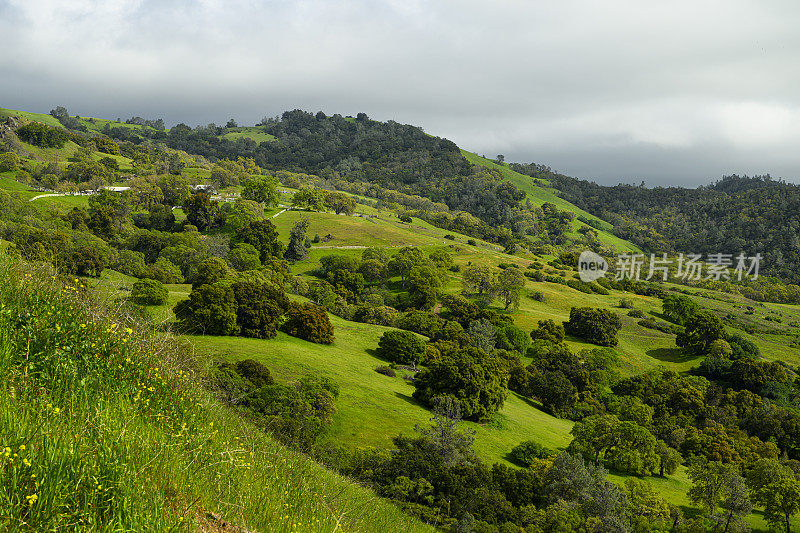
{"x": 666, "y": 92}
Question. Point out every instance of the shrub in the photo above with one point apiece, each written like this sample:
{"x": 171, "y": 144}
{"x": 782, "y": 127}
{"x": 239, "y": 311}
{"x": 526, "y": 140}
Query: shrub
{"x": 9, "y": 161}
{"x": 149, "y": 292}
{"x": 386, "y": 371}
{"x": 636, "y": 313}
{"x": 479, "y": 383}
{"x": 405, "y": 218}
{"x": 42, "y": 135}
{"x": 525, "y": 453}
{"x": 598, "y": 326}
{"x": 450, "y": 237}
{"x": 210, "y": 309}
{"x": 308, "y": 322}
{"x": 472, "y": 242}
{"x": 381, "y": 315}
{"x": 626, "y": 303}
{"x": 255, "y": 372}
{"x": 704, "y": 328}
{"x": 679, "y": 308}
{"x": 548, "y": 330}
{"x": 402, "y": 347}
{"x": 537, "y": 296}
{"x": 260, "y": 307}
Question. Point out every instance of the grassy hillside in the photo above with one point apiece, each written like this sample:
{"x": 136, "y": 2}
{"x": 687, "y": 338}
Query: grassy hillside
{"x": 539, "y": 195}
{"x": 38, "y": 117}
{"x": 105, "y": 427}
{"x": 255, "y": 133}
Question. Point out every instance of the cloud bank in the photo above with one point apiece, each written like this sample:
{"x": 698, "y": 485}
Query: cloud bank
{"x": 669, "y": 93}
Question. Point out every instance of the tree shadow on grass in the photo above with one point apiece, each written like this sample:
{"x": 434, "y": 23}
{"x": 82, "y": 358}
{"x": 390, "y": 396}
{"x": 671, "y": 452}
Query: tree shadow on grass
{"x": 670, "y": 355}
{"x": 408, "y": 398}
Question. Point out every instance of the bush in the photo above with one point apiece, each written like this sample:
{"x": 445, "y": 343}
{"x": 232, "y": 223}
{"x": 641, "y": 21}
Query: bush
{"x": 537, "y": 296}
{"x": 9, "y": 162}
{"x": 402, "y": 347}
{"x": 525, "y": 453}
{"x": 386, "y": 371}
{"x": 255, "y": 372}
{"x": 309, "y": 322}
{"x": 149, "y": 292}
{"x": 405, "y": 218}
{"x": 636, "y": 313}
{"x": 210, "y": 309}
{"x": 450, "y": 237}
{"x": 479, "y": 383}
{"x": 472, "y": 242}
{"x": 598, "y": 326}
{"x": 260, "y": 307}
{"x": 626, "y": 303}
{"x": 42, "y": 135}
{"x": 549, "y": 331}
{"x": 382, "y": 315}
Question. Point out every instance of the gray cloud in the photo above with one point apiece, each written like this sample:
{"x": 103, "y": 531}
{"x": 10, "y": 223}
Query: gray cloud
{"x": 670, "y": 93}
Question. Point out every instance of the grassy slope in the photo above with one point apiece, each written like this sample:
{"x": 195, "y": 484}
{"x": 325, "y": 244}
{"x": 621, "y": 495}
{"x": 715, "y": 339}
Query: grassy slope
{"x": 118, "y": 435}
{"x": 387, "y": 400}
{"x": 38, "y": 117}
{"x": 255, "y": 133}
{"x": 539, "y": 195}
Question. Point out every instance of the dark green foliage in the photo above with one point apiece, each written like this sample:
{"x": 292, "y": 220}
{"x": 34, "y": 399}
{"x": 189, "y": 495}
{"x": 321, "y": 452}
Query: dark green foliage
{"x": 210, "y": 309}
{"x": 149, "y": 292}
{"x": 296, "y": 250}
{"x": 261, "y": 189}
{"x": 402, "y": 347}
{"x": 598, "y": 326}
{"x": 512, "y": 338}
{"x": 382, "y": 315}
{"x": 201, "y": 211}
{"x": 308, "y": 322}
{"x": 41, "y": 135}
{"x": 422, "y": 322}
{"x": 526, "y": 452}
{"x": 87, "y": 261}
{"x": 260, "y": 307}
{"x": 742, "y": 347}
{"x": 711, "y": 219}
{"x": 263, "y": 236}
{"x": 704, "y": 328}
{"x": 254, "y": 372}
{"x": 210, "y": 271}
{"x": 549, "y": 330}
{"x": 479, "y": 383}
{"x": 424, "y": 286}
{"x": 679, "y": 308}
{"x": 296, "y": 413}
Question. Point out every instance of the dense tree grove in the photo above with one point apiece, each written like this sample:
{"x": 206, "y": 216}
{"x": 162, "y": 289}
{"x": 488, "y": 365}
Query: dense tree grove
{"x": 736, "y": 214}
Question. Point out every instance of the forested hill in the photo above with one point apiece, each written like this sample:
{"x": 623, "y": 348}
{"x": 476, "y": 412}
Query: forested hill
{"x": 350, "y": 150}
{"x": 738, "y": 213}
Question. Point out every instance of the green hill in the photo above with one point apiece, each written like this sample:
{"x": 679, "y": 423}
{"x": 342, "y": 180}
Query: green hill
{"x": 104, "y": 427}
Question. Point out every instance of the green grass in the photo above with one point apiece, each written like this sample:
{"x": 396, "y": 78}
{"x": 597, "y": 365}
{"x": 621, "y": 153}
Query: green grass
{"x": 38, "y": 117}
{"x": 51, "y": 155}
{"x": 107, "y": 428}
{"x": 539, "y": 195}
{"x": 255, "y": 133}
{"x": 373, "y": 408}
{"x": 65, "y": 203}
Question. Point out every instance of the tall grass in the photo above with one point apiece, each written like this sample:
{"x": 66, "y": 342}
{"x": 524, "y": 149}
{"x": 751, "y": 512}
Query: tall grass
{"x": 105, "y": 425}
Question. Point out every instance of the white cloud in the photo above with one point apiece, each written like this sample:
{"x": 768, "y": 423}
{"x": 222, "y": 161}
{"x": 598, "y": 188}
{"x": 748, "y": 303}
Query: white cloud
{"x": 621, "y": 90}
